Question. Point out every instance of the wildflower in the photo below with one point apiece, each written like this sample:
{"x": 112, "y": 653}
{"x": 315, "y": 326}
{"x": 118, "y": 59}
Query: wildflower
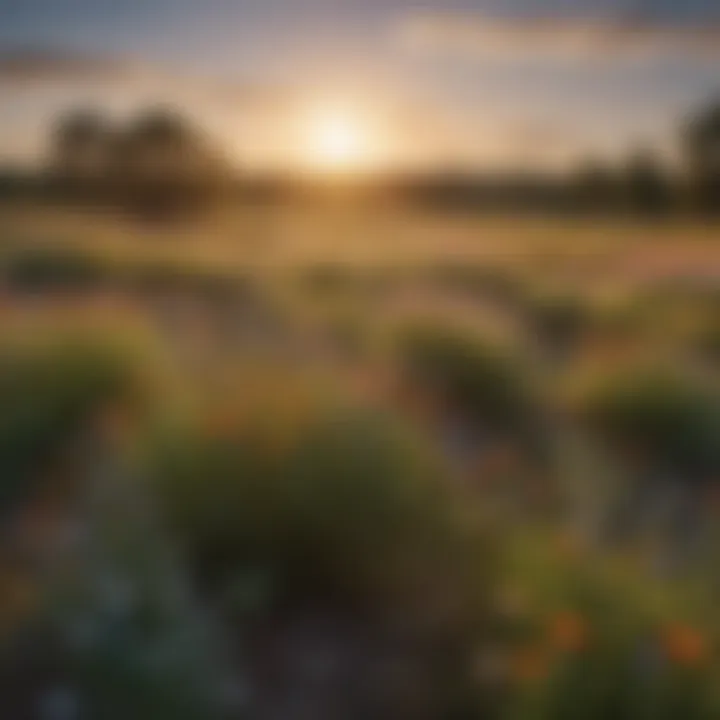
{"x": 531, "y": 664}
{"x": 684, "y": 645}
{"x": 568, "y": 545}
{"x": 221, "y": 424}
{"x": 569, "y": 632}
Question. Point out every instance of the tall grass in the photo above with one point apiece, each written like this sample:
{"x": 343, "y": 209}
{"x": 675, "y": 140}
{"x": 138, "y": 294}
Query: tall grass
{"x": 336, "y": 503}
{"x": 666, "y": 419}
{"x": 559, "y": 321}
{"x": 50, "y": 268}
{"x": 490, "y": 282}
{"x": 478, "y": 380}
{"x": 49, "y": 391}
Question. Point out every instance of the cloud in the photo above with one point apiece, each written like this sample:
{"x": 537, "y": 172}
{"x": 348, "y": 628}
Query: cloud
{"x": 472, "y": 34}
{"x": 31, "y": 66}
{"x": 246, "y": 116}
{"x": 22, "y": 69}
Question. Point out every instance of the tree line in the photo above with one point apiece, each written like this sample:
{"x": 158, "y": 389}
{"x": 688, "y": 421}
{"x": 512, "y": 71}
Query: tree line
{"x": 158, "y": 163}
{"x": 161, "y": 164}
{"x": 643, "y": 184}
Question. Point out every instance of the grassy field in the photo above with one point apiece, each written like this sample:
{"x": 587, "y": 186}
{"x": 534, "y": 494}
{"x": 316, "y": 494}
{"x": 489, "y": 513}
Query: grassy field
{"x": 332, "y": 463}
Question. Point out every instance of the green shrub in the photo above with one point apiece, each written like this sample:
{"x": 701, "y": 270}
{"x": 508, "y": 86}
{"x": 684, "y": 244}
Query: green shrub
{"x": 667, "y": 419}
{"x": 478, "y": 380}
{"x": 48, "y": 390}
{"x": 559, "y": 320}
{"x": 342, "y": 505}
{"x": 53, "y": 269}
{"x": 576, "y": 634}
{"x": 37, "y": 268}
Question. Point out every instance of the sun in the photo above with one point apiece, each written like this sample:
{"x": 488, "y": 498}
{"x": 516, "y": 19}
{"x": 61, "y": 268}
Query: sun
{"x": 339, "y": 140}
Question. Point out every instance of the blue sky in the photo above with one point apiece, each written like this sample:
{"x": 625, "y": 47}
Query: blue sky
{"x": 473, "y": 91}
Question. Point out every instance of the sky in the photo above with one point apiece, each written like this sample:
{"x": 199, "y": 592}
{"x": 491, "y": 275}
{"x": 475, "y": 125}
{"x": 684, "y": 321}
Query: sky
{"x": 454, "y": 83}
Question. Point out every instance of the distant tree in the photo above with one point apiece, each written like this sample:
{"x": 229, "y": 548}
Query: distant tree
{"x": 159, "y": 164}
{"x": 594, "y": 187}
{"x": 702, "y": 144}
{"x": 165, "y": 165}
{"x": 80, "y": 143}
{"x": 647, "y": 184}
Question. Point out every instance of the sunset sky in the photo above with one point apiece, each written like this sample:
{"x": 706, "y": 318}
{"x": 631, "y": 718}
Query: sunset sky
{"x": 476, "y": 83}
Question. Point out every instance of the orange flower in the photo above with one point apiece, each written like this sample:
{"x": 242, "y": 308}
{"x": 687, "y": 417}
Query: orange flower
{"x": 568, "y": 545}
{"x": 531, "y": 664}
{"x": 569, "y": 632}
{"x": 684, "y": 645}
{"x": 221, "y": 424}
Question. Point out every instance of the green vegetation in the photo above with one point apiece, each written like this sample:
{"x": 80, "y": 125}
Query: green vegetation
{"x": 54, "y": 268}
{"x": 49, "y": 392}
{"x": 241, "y": 504}
{"x": 333, "y": 504}
{"x": 477, "y": 379}
{"x": 559, "y": 320}
{"x": 664, "y": 419}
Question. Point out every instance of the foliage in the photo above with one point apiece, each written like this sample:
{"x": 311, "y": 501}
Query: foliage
{"x": 477, "y": 379}
{"x": 159, "y": 164}
{"x": 667, "y": 419}
{"x": 49, "y": 391}
{"x": 488, "y": 282}
{"x": 43, "y": 268}
{"x": 56, "y": 268}
{"x": 559, "y": 320}
{"x": 337, "y": 503}
{"x": 702, "y": 140}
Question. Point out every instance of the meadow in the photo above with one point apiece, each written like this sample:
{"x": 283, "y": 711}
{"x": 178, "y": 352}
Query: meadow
{"x": 332, "y": 461}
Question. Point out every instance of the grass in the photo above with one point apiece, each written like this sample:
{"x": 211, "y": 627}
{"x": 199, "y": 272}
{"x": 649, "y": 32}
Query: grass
{"x": 326, "y": 501}
{"x": 559, "y": 320}
{"x": 52, "y": 268}
{"x": 666, "y": 419}
{"x": 477, "y": 379}
{"x": 489, "y": 281}
{"x": 279, "y": 493}
{"x": 50, "y": 391}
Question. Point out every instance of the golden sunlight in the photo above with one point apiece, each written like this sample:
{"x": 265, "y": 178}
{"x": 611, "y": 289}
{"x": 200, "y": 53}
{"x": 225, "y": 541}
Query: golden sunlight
{"x": 339, "y": 140}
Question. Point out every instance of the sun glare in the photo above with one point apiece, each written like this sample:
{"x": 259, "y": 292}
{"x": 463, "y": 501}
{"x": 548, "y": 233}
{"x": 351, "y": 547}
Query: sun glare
{"x": 339, "y": 140}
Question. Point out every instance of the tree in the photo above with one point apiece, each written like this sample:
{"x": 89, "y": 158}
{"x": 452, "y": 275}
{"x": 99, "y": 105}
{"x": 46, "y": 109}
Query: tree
{"x": 80, "y": 144}
{"x": 159, "y": 164}
{"x": 594, "y": 187}
{"x": 166, "y": 165}
{"x": 648, "y": 187}
{"x": 702, "y": 145}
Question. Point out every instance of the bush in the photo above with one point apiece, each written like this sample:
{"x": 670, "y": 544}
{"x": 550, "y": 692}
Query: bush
{"x": 559, "y": 320}
{"x": 54, "y": 269}
{"x": 59, "y": 269}
{"x": 668, "y": 420}
{"x": 340, "y": 505}
{"x": 479, "y": 381}
{"x": 48, "y": 391}
{"x": 574, "y": 627}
